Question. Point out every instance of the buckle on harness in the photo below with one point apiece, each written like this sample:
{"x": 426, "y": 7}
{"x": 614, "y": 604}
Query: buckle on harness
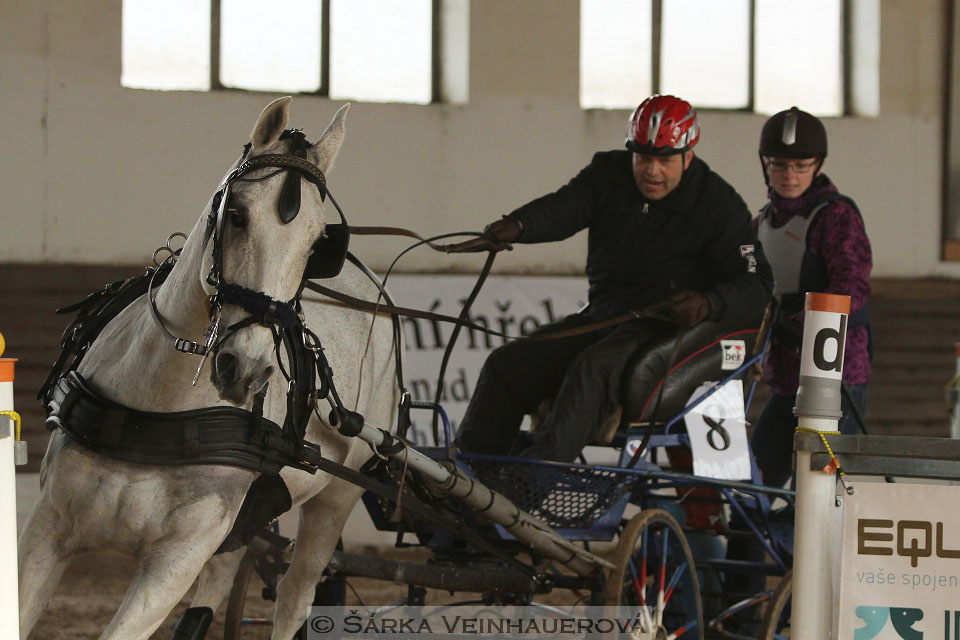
{"x": 189, "y": 346}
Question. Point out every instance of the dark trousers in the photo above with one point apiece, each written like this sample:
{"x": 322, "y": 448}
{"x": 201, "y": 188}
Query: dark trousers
{"x": 582, "y": 374}
{"x": 772, "y": 438}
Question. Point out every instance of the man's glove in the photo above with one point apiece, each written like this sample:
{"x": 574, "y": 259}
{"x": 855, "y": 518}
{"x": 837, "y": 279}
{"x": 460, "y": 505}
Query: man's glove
{"x": 497, "y": 236}
{"x": 689, "y": 308}
{"x": 502, "y": 233}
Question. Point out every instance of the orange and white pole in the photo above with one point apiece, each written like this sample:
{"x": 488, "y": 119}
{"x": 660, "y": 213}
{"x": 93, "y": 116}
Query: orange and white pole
{"x": 9, "y": 604}
{"x": 818, "y": 410}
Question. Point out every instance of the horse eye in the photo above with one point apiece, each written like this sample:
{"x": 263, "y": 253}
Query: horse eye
{"x": 238, "y": 219}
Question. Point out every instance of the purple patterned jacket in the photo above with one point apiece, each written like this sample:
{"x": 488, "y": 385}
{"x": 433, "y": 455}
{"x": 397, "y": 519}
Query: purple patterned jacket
{"x": 837, "y": 235}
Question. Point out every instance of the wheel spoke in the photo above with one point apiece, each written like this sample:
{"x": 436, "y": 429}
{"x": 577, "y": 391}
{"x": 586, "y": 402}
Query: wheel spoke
{"x": 655, "y": 572}
{"x": 638, "y": 587}
{"x": 661, "y": 590}
{"x": 673, "y": 582}
{"x": 643, "y": 569}
{"x": 682, "y": 630}
{"x": 646, "y": 620}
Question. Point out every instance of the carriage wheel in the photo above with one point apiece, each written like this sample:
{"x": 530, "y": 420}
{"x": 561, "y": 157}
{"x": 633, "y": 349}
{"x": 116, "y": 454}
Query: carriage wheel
{"x": 654, "y": 571}
{"x": 776, "y": 617}
{"x": 330, "y": 592}
{"x": 238, "y": 596}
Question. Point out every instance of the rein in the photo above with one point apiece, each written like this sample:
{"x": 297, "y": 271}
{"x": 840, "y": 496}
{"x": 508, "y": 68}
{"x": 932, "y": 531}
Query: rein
{"x": 656, "y": 310}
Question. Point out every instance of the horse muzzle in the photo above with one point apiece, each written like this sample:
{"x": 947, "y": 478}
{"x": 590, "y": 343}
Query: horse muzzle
{"x": 238, "y": 378}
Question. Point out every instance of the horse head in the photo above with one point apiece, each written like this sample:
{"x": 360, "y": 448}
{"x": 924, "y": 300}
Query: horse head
{"x": 261, "y": 234}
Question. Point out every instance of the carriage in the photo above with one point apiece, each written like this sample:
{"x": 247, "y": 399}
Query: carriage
{"x": 510, "y": 528}
{"x": 647, "y": 511}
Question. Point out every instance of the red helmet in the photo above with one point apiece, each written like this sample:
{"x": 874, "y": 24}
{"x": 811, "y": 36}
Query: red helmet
{"x": 663, "y": 126}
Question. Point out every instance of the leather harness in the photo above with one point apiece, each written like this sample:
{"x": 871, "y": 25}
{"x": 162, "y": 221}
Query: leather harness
{"x": 212, "y": 435}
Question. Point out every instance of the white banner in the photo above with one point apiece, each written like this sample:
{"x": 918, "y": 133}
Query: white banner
{"x": 718, "y": 433}
{"x": 514, "y": 305}
{"x": 900, "y": 566}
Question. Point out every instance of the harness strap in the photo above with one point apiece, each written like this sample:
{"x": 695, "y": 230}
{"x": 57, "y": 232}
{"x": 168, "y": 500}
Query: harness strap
{"x": 212, "y": 435}
{"x": 93, "y": 313}
{"x": 652, "y": 311}
{"x": 400, "y": 231}
{"x": 403, "y": 410}
{"x": 464, "y": 314}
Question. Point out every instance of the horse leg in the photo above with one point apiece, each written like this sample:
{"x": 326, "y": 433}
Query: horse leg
{"x": 42, "y": 559}
{"x": 164, "y": 575}
{"x": 321, "y": 521}
{"x": 192, "y": 531}
{"x": 216, "y": 579}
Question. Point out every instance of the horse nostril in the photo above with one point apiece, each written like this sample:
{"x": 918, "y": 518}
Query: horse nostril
{"x": 226, "y": 367}
{"x": 256, "y": 385}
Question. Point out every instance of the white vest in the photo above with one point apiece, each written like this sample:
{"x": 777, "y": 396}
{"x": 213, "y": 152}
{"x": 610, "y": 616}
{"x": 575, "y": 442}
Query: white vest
{"x": 784, "y": 247}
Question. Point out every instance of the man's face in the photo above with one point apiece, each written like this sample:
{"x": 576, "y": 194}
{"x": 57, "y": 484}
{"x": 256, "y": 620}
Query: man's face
{"x": 790, "y": 177}
{"x": 657, "y": 176}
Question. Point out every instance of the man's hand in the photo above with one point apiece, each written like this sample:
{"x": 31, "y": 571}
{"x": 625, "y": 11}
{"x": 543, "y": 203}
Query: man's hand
{"x": 689, "y": 308}
{"x": 502, "y": 232}
{"x": 497, "y": 236}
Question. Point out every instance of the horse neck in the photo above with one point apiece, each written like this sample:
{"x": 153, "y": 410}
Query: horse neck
{"x": 133, "y": 350}
{"x": 181, "y": 301}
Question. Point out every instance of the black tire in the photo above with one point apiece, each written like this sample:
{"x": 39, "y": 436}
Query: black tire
{"x": 653, "y": 539}
{"x": 776, "y": 616}
{"x": 330, "y": 592}
{"x": 238, "y": 596}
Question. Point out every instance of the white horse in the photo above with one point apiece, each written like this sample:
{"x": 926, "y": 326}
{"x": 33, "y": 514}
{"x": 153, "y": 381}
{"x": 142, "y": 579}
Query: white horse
{"x": 173, "y": 518}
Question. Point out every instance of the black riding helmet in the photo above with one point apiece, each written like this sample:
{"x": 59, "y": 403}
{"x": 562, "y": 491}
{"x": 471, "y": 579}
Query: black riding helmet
{"x": 793, "y": 134}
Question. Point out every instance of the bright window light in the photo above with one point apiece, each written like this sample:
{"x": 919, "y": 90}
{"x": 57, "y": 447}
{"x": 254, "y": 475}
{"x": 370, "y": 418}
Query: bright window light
{"x": 381, "y": 50}
{"x": 705, "y": 52}
{"x": 166, "y": 45}
{"x": 799, "y": 56}
{"x": 615, "y": 55}
{"x": 270, "y": 50}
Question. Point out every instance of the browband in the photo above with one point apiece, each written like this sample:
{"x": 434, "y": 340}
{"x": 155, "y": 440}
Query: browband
{"x": 309, "y": 170}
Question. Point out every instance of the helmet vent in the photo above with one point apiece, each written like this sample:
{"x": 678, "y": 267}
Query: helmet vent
{"x": 790, "y": 128}
{"x": 655, "y": 119}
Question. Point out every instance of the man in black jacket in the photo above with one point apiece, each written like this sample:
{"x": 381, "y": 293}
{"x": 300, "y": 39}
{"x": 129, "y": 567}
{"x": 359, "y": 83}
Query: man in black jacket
{"x": 662, "y": 226}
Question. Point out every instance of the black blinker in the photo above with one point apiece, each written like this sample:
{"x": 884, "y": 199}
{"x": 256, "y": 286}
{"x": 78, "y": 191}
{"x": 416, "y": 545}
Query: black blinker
{"x": 289, "y": 205}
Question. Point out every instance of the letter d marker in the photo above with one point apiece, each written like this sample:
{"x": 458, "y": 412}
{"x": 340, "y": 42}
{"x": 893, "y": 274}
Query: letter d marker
{"x": 821, "y": 358}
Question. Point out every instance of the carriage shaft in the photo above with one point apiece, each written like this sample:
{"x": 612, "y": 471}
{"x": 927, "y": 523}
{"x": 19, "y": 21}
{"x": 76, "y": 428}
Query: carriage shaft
{"x": 472, "y": 579}
{"x": 490, "y": 505}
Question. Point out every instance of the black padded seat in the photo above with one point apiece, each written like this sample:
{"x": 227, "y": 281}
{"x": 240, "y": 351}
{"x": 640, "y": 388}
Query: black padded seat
{"x": 700, "y": 359}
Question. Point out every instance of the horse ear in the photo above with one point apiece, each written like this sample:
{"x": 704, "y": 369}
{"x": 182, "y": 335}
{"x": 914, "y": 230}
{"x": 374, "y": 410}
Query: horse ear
{"x": 325, "y": 150}
{"x": 270, "y": 124}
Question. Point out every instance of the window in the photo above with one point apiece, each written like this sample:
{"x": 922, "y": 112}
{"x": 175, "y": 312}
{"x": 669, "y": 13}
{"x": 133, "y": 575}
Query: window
{"x": 372, "y": 50}
{"x": 757, "y": 55}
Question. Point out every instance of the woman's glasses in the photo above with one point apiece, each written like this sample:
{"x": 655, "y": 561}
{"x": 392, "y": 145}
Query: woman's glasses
{"x": 778, "y": 166}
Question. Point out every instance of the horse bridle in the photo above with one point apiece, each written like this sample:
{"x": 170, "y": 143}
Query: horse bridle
{"x": 285, "y": 319}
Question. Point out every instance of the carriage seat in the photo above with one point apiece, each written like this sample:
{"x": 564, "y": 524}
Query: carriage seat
{"x": 709, "y": 351}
